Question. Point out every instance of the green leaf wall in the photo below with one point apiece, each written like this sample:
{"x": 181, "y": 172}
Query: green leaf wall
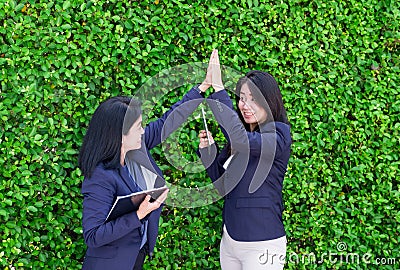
{"x": 337, "y": 63}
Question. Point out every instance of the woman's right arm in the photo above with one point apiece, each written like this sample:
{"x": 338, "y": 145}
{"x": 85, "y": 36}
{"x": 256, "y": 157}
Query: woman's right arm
{"x": 212, "y": 159}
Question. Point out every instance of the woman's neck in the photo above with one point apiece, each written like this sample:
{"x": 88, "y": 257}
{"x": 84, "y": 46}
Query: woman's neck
{"x": 122, "y": 158}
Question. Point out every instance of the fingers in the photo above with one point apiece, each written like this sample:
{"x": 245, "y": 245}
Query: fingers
{"x": 203, "y": 144}
{"x": 147, "y": 204}
{"x": 146, "y": 207}
{"x": 202, "y": 134}
{"x": 213, "y": 75}
{"x": 216, "y": 57}
{"x": 214, "y": 61}
{"x": 216, "y": 78}
{"x": 211, "y": 63}
{"x": 159, "y": 200}
{"x": 204, "y": 139}
{"x": 212, "y": 56}
{"x": 162, "y": 197}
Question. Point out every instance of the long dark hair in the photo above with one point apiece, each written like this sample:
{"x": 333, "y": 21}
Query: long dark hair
{"x": 103, "y": 139}
{"x": 265, "y": 91}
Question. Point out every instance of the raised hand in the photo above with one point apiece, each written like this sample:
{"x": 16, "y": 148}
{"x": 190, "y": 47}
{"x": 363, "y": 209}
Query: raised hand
{"x": 208, "y": 80}
{"x": 216, "y": 79}
{"x": 213, "y": 76}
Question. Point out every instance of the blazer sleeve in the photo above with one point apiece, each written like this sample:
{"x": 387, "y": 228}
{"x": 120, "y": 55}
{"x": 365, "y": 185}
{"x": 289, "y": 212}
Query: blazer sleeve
{"x": 265, "y": 146}
{"x": 222, "y": 99}
{"x": 98, "y": 197}
{"x": 157, "y": 131}
{"x": 214, "y": 160}
{"x": 241, "y": 140}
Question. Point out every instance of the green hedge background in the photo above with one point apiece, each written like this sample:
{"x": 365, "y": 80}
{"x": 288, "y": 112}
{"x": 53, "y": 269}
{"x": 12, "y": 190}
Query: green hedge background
{"x": 338, "y": 66}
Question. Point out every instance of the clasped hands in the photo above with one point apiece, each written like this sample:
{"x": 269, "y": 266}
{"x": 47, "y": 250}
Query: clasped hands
{"x": 213, "y": 76}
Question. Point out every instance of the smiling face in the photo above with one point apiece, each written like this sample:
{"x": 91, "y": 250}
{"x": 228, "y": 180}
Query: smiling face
{"x": 133, "y": 139}
{"x": 253, "y": 114}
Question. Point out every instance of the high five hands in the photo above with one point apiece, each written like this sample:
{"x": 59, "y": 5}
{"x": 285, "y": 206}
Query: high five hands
{"x": 213, "y": 76}
{"x": 214, "y": 79}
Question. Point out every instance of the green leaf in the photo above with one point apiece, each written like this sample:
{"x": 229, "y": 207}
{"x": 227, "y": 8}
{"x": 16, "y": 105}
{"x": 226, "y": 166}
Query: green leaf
{"x": 32, "y": 209}
{"x": 3, "y": 212}
{"x": 66, "y": 4}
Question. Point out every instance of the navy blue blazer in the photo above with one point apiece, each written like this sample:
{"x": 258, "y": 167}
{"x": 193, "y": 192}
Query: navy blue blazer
{"x": 115, "y": 244}
{"x": 252, "y": 183}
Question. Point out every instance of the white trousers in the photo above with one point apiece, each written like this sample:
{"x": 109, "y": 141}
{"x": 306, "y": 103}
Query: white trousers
{"x": 238, "y": 255}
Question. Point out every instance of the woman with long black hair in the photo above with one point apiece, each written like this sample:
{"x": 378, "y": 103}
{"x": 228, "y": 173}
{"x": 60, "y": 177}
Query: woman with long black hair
{"x": 249, "y": 171}
{"x": 115, "y": 161}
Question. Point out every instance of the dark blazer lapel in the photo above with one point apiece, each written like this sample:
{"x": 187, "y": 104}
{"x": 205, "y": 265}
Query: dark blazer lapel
{"x": 235, "y": 171}
{"x": 141, "y": 157}
{"x": 127, "y": 179}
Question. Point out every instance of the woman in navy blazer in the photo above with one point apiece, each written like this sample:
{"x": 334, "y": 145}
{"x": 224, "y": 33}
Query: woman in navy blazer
{"x": 249, "y": 171}
{"x": 113, "y": 157}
